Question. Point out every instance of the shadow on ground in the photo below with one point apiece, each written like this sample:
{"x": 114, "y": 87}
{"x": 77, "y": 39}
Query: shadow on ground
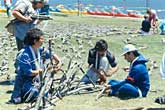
{"x": 155, "y": 109}
{"x": 5, "y": 83}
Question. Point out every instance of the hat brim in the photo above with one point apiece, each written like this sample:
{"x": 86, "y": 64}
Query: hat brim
{"x": 128, "y": 51}
{"x": 123, "y": 53}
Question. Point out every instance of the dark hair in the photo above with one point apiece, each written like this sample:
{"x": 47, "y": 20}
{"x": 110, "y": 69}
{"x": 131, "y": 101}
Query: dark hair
{"x": 148, "y": 10}
{"x": 34, "y": 2}
{"x": 135, "y": 53}
{"x": 145, "y": 16}
{"x": 101, "y": 45}
{"x": 32, "y": 35}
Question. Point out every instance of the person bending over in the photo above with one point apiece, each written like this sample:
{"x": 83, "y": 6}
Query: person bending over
{"x": 100, "y": 60}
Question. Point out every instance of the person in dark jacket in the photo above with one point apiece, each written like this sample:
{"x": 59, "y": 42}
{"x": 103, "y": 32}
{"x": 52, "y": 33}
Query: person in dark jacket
{"x": 137, "y": 83}
{"x": 146, "y": 25}
{"x": 99, "y": 59}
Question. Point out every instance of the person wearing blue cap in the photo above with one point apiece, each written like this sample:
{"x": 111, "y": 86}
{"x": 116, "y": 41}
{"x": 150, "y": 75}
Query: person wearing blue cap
{"x": 137, "y": 83}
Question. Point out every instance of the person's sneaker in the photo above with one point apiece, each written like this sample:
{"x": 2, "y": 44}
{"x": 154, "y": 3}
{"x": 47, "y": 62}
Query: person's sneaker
{"x": 17, "y": 100}
{"x": 160, "y": 100}
{"x": 14, "y": 101}
{"x": 10, "y": 102}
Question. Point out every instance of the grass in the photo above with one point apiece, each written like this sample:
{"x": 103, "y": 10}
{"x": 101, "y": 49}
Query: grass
{"x": 4, "y": 19}
{"x": 128, "y": 27}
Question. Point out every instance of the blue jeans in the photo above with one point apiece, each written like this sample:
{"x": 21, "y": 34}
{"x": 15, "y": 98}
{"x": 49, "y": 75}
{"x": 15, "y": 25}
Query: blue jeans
{"x": 123, "y": 89}
{"x": 104, "y": 64}
{"x": 92, "y": 75}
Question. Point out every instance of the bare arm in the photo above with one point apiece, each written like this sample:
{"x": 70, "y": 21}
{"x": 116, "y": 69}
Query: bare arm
{"x": 57, "y": 67}
{"x": 126, "y": 68}
{"x": 58, "y": 62}
{"x": 100, "y": 74}
{"x": 111, "y": 71}
{"x": 17, "y": 14}
{"x": 35, "y": 72}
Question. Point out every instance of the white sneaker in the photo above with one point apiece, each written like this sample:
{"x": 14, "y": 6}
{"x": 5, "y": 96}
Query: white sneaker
{"x": 17, "y": 100}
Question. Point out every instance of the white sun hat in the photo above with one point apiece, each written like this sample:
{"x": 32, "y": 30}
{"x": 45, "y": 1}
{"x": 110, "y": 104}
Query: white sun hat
{"x": 128, "y": 48}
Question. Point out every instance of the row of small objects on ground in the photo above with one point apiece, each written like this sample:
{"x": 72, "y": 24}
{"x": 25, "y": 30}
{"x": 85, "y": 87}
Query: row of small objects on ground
{"x": 116, "y": 12}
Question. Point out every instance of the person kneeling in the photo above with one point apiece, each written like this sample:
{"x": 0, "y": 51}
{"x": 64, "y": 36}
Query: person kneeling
{"x": 29, "y": 66}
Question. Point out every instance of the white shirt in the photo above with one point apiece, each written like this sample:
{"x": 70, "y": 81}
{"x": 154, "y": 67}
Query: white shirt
{"x": 25, "y": 6}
